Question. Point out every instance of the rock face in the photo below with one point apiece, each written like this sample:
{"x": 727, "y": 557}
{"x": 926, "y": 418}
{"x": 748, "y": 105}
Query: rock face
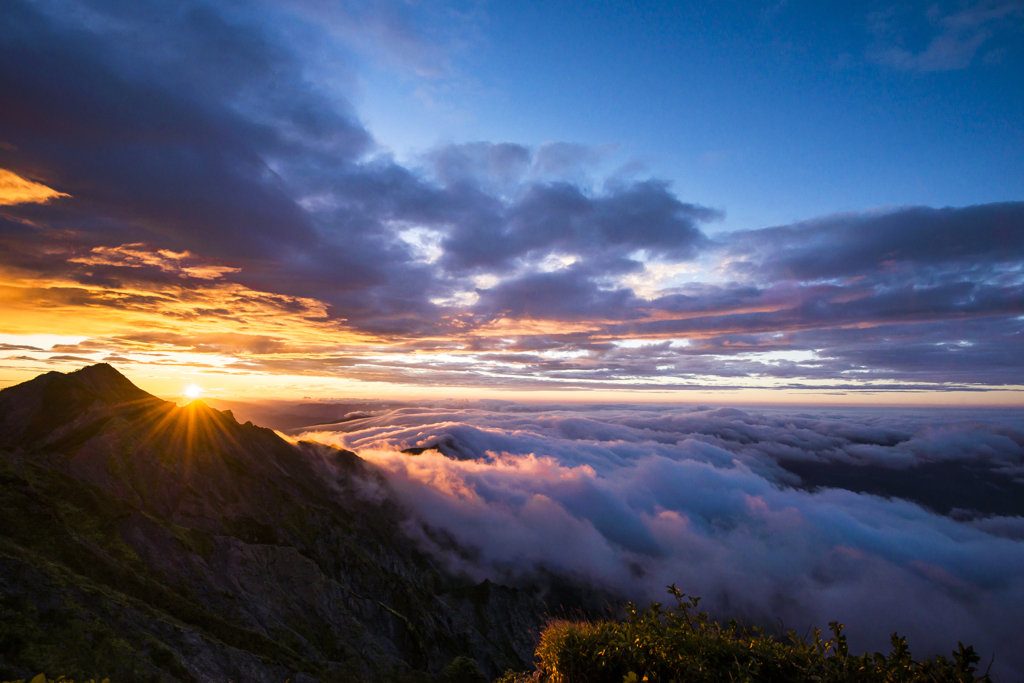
{"x": 143, "y": 541}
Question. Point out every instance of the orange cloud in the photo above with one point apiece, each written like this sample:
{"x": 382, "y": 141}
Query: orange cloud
{"x": 139, "y": 256}
{"x": 17, "y": 190}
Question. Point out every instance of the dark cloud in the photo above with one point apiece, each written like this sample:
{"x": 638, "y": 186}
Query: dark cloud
{"x": 147, "y": 151}
{"x": 562, "y": 218}
{"x": 564, "y": 295}
{"x": 915, "y": 242}
{"x": 208, "y": 144}
{"x": 501, "y": 166}
{"x": 630, "y": 498}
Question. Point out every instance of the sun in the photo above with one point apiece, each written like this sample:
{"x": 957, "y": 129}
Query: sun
{"x": 193, "y": 391}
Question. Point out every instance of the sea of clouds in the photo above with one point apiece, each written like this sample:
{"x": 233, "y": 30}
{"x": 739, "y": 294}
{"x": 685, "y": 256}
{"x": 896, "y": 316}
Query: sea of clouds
{"x": 628, "y": 499}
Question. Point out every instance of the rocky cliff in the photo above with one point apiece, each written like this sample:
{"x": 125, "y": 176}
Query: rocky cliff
{"x": 149, "y": 542}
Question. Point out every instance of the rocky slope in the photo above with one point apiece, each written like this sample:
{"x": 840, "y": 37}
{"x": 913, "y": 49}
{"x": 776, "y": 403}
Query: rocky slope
{"x": 149, "y": 542}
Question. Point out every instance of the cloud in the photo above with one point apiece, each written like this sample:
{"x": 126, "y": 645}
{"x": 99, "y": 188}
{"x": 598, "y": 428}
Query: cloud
{"x": 562, "y": 218}
{"x": 418, "y": 37}
{"x": 17, "y": 190}
{"x": 908, "y": 241}
{"x": 501, "y": 165}
{"x": 955, "y": 37}
{"x": 628, "y": 499}
{"x": 144, "y": 151}
{"x": 165, "y": 260}
{"x": 564, "y": 295}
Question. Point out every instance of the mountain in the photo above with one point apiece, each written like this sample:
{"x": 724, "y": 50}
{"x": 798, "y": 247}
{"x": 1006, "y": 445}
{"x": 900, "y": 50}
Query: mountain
{"x": 143, "y": 541}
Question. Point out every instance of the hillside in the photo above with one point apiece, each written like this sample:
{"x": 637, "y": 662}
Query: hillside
{"x": 149, "y": 542}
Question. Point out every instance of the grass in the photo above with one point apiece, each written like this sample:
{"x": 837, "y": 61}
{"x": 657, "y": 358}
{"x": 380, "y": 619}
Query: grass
{"x": 681, "y": 644}
{"x": 49, "y": 518}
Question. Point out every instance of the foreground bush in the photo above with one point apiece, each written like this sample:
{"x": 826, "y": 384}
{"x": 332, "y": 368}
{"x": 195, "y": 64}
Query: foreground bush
{"x": 682, "y": 645}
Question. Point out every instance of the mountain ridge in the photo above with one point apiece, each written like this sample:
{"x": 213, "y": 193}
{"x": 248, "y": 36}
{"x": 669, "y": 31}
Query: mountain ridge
{"x": 270, "y": 559}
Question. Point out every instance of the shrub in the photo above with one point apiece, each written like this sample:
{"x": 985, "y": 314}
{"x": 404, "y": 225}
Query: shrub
{"x": 463, "y": 670}
{"x": 680, "y": 644}
{"x": 512, "y": 676}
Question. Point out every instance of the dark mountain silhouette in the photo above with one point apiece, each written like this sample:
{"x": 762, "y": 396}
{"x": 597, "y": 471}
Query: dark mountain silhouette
{"x": 34, "y": 410}
{"x": 149, "y": 542}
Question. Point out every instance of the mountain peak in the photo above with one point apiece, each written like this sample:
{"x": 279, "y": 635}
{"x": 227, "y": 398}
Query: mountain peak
{"x": 107, "y": 383}
{"x": 38, "y": 406}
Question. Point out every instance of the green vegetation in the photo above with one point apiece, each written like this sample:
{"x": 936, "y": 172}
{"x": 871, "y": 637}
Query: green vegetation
{"x": 67, "y": 530}
{"x": 681, "y": 644}
{"x": 463, "y": 669}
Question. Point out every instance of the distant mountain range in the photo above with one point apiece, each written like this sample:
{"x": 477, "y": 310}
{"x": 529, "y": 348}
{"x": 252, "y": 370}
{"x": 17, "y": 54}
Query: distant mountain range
{"x": 143, "y": 541}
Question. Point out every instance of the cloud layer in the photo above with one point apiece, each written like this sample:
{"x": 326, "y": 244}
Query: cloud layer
{"x": 628, "y": 499}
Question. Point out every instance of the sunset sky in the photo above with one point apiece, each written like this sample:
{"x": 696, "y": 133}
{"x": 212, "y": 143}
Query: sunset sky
{"x": 789, "y": 202}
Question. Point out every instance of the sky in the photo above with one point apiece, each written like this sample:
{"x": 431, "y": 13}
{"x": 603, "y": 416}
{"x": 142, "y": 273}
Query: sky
{"x": 745, "y": 202}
